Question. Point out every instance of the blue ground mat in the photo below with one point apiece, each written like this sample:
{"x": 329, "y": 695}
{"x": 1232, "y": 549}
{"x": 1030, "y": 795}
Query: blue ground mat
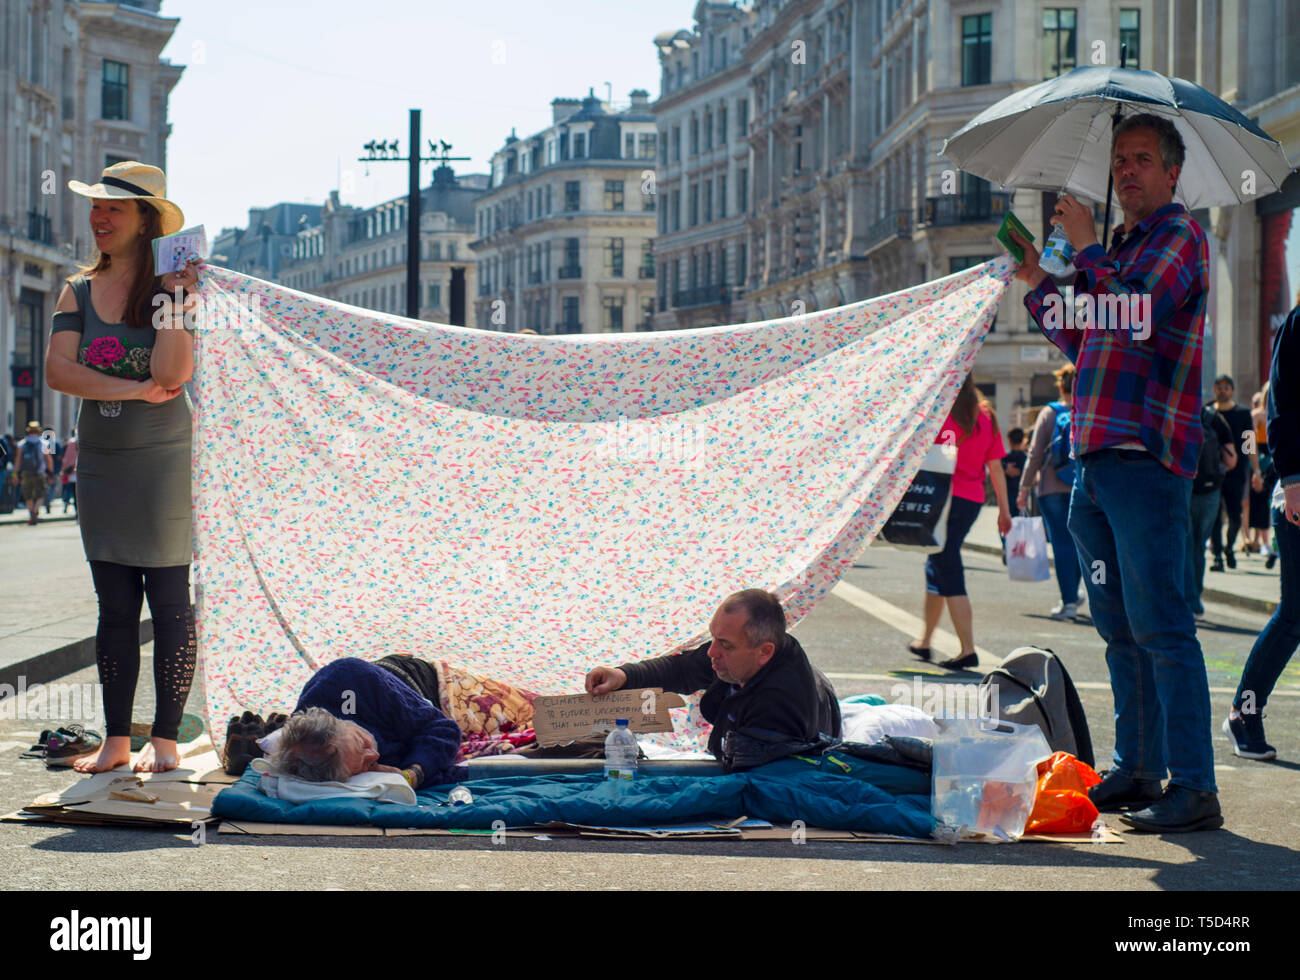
{"x": 836, "y": 792}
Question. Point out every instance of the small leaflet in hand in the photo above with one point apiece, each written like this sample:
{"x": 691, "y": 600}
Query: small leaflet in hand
{"x": 171, "y": 252}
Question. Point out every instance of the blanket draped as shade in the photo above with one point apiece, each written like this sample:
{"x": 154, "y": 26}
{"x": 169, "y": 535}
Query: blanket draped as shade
{"x": 530, "y": 507}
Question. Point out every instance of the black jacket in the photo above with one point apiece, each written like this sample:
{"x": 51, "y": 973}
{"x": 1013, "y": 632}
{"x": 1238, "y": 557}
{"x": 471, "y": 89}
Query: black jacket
{"x": 1284, "y": 400}
{"x": 782, "y": 710}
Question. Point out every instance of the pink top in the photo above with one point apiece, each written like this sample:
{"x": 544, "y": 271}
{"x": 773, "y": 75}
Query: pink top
{"x": 973, "y": 452}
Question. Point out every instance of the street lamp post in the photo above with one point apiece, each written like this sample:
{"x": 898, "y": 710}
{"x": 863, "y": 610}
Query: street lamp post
{"x": 379, "y": 152}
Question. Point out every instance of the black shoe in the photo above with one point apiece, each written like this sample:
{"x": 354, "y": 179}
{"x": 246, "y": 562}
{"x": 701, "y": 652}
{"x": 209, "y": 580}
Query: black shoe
{"x": 1217, "y": 566}
{"x": 1230, "y": 558}
{"x": 1271, "y": 560}
{"x": 1118, "y": 792}
{"x": 1179, "y": 810}
{"x": 960, "y": 663}
{"x": 1246, "y": 733}
{"x": 922, "y": 652}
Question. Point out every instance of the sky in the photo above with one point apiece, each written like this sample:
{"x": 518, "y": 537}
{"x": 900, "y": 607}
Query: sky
{"x": 277, "y": 98}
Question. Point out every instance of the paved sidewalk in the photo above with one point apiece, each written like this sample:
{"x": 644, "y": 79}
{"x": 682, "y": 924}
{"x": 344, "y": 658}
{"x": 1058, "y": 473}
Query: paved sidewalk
{"x": 1250, "y": 586}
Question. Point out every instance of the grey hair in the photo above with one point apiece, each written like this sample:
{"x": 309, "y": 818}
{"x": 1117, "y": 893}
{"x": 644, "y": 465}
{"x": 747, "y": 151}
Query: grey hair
{"x": 314, "y": 729}
{"x": 1172, "y": 150}
{"x": 765, "y": 618}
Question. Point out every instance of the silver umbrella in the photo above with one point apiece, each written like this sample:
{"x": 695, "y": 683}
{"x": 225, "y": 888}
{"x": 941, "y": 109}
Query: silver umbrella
{"x": 1058, "y": 135}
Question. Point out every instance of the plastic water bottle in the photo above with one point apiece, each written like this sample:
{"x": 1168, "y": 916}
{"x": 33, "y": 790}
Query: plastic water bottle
{"x": 460, "y": 795}
{"x": 1058, "y": 255}
{"x": 620, "y": 752}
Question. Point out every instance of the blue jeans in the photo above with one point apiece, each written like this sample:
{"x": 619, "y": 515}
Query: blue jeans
{"x": 1278, "y": 640}
{"x": 1205, "y": 508}
{"x": 1056, "y": 510}
{"x": 1130, "y": 517}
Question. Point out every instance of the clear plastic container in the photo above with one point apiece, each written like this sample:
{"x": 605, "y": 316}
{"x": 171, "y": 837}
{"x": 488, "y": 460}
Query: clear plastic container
{"x": 984, "y": 776}
{"x": 460, "y": 795}
{"x": 621, "y": 752}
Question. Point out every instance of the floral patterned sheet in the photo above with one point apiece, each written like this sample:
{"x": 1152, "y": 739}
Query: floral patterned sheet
{"x": 530, "y": 507}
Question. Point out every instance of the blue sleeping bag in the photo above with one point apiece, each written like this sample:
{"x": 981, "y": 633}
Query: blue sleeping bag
{"x": 838, "y": 792}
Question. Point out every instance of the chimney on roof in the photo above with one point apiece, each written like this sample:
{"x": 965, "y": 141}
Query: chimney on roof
{"x": 640, "y": 98}
{"x": 562, "y": 109}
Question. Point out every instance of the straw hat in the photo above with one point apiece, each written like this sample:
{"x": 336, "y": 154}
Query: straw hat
{"x": 33, "y": 426}
{"x": 135, "y": 181}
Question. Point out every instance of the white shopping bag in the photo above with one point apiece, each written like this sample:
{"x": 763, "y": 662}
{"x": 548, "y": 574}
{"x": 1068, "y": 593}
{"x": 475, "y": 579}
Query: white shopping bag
{"x": 1027, "y": 550}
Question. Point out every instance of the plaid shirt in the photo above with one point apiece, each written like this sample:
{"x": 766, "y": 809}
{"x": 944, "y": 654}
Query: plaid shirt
{"x": 1135, "y": 384}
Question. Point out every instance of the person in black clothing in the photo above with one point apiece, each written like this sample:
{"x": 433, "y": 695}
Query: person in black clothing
{"x": 763, "y": 698}
{"x": 1013, "y": 465}
{"x": 1234, "y": 484}
{"x": 1280, "y": 638}
{"x": 1207, "y": 488}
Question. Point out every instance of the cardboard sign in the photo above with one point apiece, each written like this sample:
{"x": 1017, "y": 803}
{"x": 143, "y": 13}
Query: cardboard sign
{"x": 561, "y": 719}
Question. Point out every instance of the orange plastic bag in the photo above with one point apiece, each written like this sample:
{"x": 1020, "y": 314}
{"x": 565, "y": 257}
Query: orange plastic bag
{"x": 1061, "y": 804}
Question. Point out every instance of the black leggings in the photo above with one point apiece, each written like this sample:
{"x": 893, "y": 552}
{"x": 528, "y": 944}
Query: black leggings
{"x": 121, "y": 589}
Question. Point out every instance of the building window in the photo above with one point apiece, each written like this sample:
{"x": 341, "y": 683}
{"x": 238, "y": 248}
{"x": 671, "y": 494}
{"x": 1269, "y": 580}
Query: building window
{"x": 1130, "y": 33}
{"x": 548, "y": 198}
{"x": 742, "y": 111}
{"x": 579, "y": 145}
{"x": 663, "y": 150}
{"x": 648, "y": 143}
{"x": 571, "y": 195}
{"x": 647, "y": 313}
{"x": 613, "y": 195}
{"x": 695, "y": 205}
{"x": 708, "y": 201}
{"x": 647, "y": 260}
{"x": 612, "y": 313}
{"x": 722, "y": 195}
{"x": 742, "y": 263}
{"x": 742, "y": 204}
{"x": 695, "y": 136}
{"x": 722, "y": 119}
{"x": 570, "y": 323}
{"x": 571, "y": 246}
{"x": 708, "y": 130}
{"x": 614, "y": 258}
{"x": 629, "y": 146}
{"x": 677, "y": 209}
{"x": 677, "y": 144}
{"x": 977, "y": 49}
{"x": 451, "y": 251}
{"x": 1060, "y": 37}
{"x": 435, "y": 295}
{"x": 116, "y": 90}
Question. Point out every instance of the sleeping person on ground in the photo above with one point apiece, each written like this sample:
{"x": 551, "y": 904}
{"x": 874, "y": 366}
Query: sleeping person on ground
{"x": 354, "y": 716}
{"x": 763, "y": 698}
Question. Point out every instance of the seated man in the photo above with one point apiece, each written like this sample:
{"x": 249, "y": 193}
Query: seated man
{"x": 762, "y": 696}
{"x": 354, "y": 716}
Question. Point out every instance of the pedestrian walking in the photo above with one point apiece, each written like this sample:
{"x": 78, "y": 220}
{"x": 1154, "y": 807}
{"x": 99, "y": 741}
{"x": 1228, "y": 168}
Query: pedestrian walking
{"x": 1277, "y": 642}
{"x": 69, "y": 472}
{"x": 128, "y": 361}
{"x": 972, "y": 427}
{"x": 1013, "y": 466}
{"x": 1136, "y": 441}
{"x": 33, "y": 469}
{"x": 1259, "y": 507}
{"x": 1233, "y": 491}
{"x": 1218, "y": 458}
{"x": 1051, "y": 470}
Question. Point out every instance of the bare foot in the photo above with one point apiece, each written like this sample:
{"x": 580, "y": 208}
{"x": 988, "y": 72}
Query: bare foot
{"x": 115, "y": 751}
{"x": 160, "y": 755}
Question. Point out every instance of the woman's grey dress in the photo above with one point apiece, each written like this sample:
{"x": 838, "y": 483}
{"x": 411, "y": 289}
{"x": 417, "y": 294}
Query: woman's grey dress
{"x": 133, "y": 473}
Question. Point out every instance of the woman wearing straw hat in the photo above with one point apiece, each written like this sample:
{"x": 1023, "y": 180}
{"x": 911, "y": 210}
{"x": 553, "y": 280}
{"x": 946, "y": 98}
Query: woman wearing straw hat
{"x": 127, "y": 358}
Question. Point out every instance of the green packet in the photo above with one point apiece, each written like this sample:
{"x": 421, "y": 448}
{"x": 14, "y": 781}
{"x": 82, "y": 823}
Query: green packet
{"x": 1009, "y": 222}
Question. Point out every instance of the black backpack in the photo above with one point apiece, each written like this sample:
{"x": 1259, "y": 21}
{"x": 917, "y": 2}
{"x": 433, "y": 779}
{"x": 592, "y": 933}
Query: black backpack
{"x": 1034, "y": 688}
{"x": 1210, "y": 468}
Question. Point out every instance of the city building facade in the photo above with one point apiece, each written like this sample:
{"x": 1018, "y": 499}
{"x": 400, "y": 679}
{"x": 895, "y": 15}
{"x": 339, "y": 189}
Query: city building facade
{"x": 82, "y": 87}
{"x": 358, "y": 255}
{"x": 703, "y": 174}
{"x": 566, "y": 230}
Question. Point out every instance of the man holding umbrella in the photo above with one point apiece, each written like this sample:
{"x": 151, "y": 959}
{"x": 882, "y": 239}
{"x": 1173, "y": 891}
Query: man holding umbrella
{"x": 1137, "y": 436}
